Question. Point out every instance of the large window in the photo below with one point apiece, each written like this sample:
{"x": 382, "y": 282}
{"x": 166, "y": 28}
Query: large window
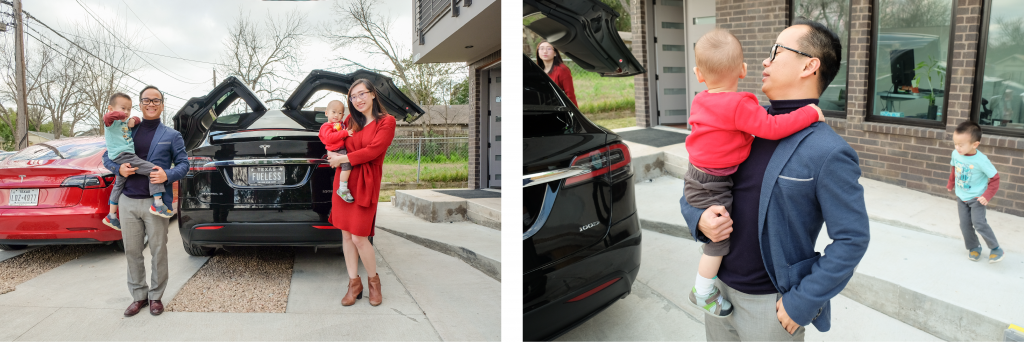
{"x": 834, "y": 14}
{"x": 911, "y": 50}
{"x": 1000, "y": 101}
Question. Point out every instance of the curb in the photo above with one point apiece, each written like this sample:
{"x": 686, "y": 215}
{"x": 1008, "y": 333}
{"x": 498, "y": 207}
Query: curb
{"x": 488, "y": 266}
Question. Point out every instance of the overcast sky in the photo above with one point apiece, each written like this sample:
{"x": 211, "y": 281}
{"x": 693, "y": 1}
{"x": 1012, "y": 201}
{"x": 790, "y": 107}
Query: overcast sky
{"x": 197, "y": 30}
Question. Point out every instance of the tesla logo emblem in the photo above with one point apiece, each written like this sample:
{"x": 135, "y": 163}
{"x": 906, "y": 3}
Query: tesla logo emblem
{"x": 264, "y": 147}
{"x": 588, "y": 226}
{"x": 22, "y": 178}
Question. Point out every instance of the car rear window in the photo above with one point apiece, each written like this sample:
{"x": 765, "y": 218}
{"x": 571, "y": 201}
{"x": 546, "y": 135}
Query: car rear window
{"x": 68, "y": 151}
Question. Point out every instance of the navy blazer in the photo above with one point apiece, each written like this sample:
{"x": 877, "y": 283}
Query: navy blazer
{"x": 811, "y": 179}
{"x": 167, "y": 149}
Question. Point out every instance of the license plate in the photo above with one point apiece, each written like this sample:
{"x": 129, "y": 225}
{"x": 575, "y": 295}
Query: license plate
{"x": 24, "y": 197}
{"x": 266, "y": 175}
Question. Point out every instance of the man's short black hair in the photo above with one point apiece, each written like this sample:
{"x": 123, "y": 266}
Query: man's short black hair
{"x": 117, "y": 95}
{"x": 148, "y": 88}
{"x": 823, "y": 44}
{"x": 970, "y": 128}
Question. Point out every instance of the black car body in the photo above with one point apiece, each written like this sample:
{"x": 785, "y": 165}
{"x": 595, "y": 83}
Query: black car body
{"x": 259, "y": 177}
{"x": 581, "y": 233}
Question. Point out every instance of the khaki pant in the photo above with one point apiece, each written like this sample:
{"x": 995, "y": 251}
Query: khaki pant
{"x": 753, "y": 319}
{"x": 137, "y": 223}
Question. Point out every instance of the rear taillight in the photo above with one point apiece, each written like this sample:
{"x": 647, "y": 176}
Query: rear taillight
{"x": 209, "y": 227}
{"x": 196, "y": 164}
{"x": 598, "y": 160}
{"x": 84, "y": 182}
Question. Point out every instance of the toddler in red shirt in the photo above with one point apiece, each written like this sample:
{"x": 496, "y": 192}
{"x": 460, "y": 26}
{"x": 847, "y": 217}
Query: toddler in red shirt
{"x": 723, "y": 124}
{"x": 333, "y": 134}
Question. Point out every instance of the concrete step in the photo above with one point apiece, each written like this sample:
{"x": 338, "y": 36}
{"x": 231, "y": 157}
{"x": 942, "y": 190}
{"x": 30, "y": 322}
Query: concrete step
{"x": 485, "y": 212}
{"x": 918, "y": 276}
{"x": 437, "y": 207}
{"x": 476, "y": 245}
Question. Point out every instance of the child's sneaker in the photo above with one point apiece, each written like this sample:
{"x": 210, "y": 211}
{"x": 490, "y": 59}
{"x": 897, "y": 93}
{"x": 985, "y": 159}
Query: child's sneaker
{"x": 346, "y": 195}
{"x": 974, "y": 254}
{"x": 713, "y": 303}
{"x": 112, "y": 222}
{"x": 995, "y": 256}
{"x": 161, "y": 210}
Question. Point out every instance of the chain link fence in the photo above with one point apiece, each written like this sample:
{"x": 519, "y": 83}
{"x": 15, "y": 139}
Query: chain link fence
{"x": 415, "y": 160}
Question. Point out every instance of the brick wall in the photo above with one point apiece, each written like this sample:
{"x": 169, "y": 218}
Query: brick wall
{"x": 476, "y": 150}
{"x": 756, "y": 24}
{"x": 641, "y": 82}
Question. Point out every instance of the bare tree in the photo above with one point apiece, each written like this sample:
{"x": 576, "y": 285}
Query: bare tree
{"x": 60, "y": 90}
{"x": 364, "y": 30}
{"x": 831, "y": 13}
{"x": 265, "y": 56}
{"x": 105, "y": 75}
{"x": 914, "y": 13}
{"x": 33, "y": 79}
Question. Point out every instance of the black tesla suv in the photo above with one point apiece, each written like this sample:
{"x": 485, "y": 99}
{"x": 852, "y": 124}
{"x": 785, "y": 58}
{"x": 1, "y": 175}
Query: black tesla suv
{"x": 259, "y": 178}
{"x": 581, "y": 234}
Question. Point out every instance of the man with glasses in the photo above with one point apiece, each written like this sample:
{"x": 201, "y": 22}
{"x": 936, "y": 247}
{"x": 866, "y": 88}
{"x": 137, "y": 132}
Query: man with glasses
{"x": 782, "y": 194}
{"x": 163, "y": 147}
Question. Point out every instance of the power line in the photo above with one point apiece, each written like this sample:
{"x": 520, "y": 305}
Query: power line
{"x": 146, "y": 52}
{"x": 89, "y": 12}
{"x": 91, "y": 54}
{"x": 156, "y": 36}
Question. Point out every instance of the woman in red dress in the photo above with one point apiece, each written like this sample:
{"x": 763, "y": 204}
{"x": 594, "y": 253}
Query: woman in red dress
{"x": 373, "y": 129}
{"x": 551, "y": 61}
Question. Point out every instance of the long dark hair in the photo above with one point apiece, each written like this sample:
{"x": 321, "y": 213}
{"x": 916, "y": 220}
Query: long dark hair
{"x": 357, "y": 122}
{"x": 555, "y": 63}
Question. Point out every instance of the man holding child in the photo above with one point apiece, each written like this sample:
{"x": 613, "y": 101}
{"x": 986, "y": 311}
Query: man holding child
{"x": 782, "y": 192}
{"x": 163, "y": 147}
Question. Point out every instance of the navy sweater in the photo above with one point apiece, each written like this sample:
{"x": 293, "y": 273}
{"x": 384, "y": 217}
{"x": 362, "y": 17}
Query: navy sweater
{"x": 743, "y": 268}
{"x": 137, "y": 186}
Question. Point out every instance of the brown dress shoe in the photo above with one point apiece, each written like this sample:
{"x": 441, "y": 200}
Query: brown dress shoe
{"x": 156, "y": 307}
{"x": 374, "y": 283}
{"x": 135, "y": 307}
{"x": 355, "y": 291}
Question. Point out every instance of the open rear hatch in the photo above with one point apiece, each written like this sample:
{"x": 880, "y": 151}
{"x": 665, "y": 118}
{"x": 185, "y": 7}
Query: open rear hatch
{"x": 395, "y": 102}
{"x": 585, "y": 31}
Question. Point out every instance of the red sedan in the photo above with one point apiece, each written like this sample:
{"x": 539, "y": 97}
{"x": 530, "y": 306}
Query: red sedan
{"x": 57, "y": 193}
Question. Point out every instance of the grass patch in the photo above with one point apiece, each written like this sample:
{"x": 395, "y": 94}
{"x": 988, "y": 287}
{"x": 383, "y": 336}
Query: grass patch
{"x": 430, "y": 172}
{"x": 596, "y": 94}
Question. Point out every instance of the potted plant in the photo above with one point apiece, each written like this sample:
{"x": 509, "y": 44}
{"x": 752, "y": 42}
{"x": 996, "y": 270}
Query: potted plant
{"x": 932, "y": 65}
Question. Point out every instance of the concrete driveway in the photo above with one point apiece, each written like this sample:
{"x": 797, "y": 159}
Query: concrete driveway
{"x": 427, "y": 296}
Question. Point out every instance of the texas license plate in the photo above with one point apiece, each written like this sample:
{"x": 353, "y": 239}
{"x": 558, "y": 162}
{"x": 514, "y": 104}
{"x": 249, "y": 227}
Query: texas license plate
{"x": 24, "y": 197}
{"x": 266, "y": 175}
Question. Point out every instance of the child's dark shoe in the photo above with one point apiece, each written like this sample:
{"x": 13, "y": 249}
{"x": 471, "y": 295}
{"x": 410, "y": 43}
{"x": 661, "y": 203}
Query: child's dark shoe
{"x": 112, "y": 222}
{"x": 996, "y": 255}
{"x": 161, "y": 210}
{"x": 974, "y": 253}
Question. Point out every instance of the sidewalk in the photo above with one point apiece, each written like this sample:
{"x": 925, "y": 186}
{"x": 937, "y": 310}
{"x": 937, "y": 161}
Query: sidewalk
{"x": 915, "y": 261}
{"x": 474, "y": 244}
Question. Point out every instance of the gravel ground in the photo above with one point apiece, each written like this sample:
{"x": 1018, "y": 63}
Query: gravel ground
{"x": 22, "y": 268}
{"x": 246, "y": 279}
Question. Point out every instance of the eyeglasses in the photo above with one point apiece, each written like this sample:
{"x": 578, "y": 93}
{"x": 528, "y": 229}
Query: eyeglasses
{"x": 361, "y": 96}
{"x": 152, "y": 101}
{"x": 546, "y": 48}
{"x": 775, "y": 48}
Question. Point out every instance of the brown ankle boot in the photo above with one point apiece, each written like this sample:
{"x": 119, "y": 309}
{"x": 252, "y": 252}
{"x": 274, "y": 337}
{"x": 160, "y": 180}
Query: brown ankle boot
{"x": 374, "y": 284}
{"x": 355, "y": 291}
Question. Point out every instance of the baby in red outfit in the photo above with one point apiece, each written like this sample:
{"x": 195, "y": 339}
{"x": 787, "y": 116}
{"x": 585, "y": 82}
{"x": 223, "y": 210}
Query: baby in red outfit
{"x": 723, "y": 124}
{"x": 333, "y": 134}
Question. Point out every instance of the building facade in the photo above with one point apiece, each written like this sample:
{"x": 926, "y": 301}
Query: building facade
{"x": 468, "y": 31}
{"x": 911, "y": 72}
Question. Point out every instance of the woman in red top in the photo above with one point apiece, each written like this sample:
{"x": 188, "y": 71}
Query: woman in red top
{"x": 551, "y": 61}
{"x": 373, "y": 129}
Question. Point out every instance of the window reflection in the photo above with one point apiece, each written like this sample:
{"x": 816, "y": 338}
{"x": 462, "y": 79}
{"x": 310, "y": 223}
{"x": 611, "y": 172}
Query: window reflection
{"x": 1002, "y": 90}
{"x": 910, "y": 58}
{"x": 834, "y": 14}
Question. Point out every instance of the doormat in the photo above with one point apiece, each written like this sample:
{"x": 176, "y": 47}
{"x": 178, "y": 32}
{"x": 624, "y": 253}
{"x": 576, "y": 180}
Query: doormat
{"x": 653, "y": 137}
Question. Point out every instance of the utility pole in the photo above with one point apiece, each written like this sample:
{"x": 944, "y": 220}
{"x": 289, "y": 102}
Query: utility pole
{"x": 214, "y": 77}
{"x": 21, "y": 127}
